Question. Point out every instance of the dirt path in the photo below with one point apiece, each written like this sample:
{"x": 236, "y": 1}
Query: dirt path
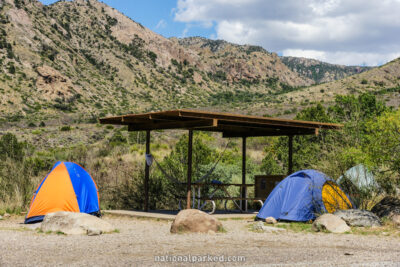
{"x": 139, "y": 241}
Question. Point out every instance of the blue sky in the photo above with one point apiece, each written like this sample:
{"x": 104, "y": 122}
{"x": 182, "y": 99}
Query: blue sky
{"x": 356, "y": 32}
{"x": 158, "y": 16}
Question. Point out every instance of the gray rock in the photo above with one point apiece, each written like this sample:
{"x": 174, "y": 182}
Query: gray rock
{"x": 33, "y": 226}
{"x": 270, "y": 220}
{"x": 258, "y": 226}
{"x": 387, "y": 207}
{"x": 74, "y": 223}
{"x": 271, "y": 229}
{"x": 192, "y": 220}
{"x": 330, "y": 223}
{"x": 395, "y": 219}
{"x": 358, "y": 217}
{"x": 92, "y": 232}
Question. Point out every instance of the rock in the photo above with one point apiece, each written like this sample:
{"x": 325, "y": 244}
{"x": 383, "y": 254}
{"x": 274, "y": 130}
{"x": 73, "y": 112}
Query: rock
{"x": 1, "y": 217}
{"x": 74, "y": 223}
{"x": 196, "y": 221}
{"x": 271, "y": 220}
{"x": 53, "y": 85}
{"x": 92, "y": 232}
{"x": 6, "y": 215}
{"x": 387, "y": 207}
{"x": 33, "y": 226}
{"x": 259, "y": 226}
{"x": 330, "y": 223}
{"x": 396, "y": 219}
{"x": 358, "y": 217}
{"x": 271, "y": 229}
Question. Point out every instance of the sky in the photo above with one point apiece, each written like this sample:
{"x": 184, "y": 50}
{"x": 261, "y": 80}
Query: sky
{"x": 348, "y": 32}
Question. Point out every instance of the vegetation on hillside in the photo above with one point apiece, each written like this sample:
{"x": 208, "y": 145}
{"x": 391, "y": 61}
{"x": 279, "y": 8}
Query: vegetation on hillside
{"x": 370, "y": 136}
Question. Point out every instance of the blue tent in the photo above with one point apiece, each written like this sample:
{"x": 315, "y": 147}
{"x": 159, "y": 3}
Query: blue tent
{"x": 302, "y": 195}
{"x": 68, "y": 187}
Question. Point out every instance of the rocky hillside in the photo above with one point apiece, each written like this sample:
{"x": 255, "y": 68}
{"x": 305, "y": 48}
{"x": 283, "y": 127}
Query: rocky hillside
{"x": 241, "y": 62}
{"x": 320, "y": 72}
{"x": 85, "y": 58}
{"x": 383, "y": 81}
{"x": 78, "y": 60}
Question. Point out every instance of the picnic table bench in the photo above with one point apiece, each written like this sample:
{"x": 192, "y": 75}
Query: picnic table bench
{"x": 212, "y": 197}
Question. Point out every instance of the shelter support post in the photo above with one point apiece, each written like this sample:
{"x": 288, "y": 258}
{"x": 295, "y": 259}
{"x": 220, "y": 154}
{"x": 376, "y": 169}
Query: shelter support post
{"x": 290, "y": 163}
{"x": 243, "y": 188}
{"x": 189, "y": 169}
{"x": 147, "y": 174}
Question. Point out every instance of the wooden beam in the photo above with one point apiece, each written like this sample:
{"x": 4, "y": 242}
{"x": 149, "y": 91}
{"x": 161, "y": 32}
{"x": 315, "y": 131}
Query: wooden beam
{"x": 244, "y": 120}
{"x": 243, "y": 189}
{"x": 290, "y": 163}
{"x": 189, "y": 169}
{"x": 248, "y": 133}
{"x": 255, "y": 119}
{"x": 193, "y": 124}
{"x": 147, "y": 174}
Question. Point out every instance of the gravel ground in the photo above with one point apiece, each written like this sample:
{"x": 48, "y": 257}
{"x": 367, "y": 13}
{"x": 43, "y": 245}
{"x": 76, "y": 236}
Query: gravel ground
{"x": 139, "y": 241}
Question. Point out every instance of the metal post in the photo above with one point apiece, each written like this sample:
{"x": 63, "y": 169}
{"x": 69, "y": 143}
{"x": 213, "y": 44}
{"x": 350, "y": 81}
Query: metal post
{"x": 189, "y": 170}
{"x": 244, "y": 202}
{"x": 147, "y": 174}
{"x": 290, "y": 168}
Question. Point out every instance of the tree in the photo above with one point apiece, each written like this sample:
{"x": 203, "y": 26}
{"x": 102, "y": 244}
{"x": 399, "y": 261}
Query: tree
{"x": 383, "y": 147}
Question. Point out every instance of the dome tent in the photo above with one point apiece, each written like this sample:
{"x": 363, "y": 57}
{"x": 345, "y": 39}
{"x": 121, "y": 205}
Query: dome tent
{"x": 302, "y": 195}
{"x": 68, "y": 187}
{"x": 359, "y": 176}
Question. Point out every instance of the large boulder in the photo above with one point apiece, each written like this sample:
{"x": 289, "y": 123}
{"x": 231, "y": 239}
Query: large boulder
{"x": 192, "y": 220}
{"x": 74, "y": 223}
{"x": 330, "y": 223}
{"x": 387, "y": 207}
{"x": 355, "y": 217}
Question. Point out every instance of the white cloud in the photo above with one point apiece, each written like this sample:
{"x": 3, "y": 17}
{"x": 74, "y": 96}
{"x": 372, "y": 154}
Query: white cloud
{"x": 341, "y": 31}
{"x": 161, "y": 24}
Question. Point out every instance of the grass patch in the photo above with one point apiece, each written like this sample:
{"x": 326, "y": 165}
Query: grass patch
{"x": 221, "y": 229}
{"x": 387, "y": 229}
{"x": 296, "y": 227}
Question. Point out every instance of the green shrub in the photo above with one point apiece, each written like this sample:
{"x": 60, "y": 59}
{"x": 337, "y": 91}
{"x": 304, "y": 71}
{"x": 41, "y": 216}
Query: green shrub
{"x": 65, "y": 128}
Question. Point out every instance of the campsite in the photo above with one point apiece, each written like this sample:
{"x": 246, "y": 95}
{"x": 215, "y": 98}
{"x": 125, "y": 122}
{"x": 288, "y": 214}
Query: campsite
{"x": 305, "y": 218}
{"x": 140, "y": 240}
{"x": 206, "y": 133}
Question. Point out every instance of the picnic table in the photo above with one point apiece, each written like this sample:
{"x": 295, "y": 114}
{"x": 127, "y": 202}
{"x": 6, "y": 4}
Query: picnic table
{"x": 201, "y": 201}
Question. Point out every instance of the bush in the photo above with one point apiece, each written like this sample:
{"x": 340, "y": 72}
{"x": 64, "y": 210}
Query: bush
{"x": 117, "y": 139}
{"x": 31, "y": 124}
{"x": 11, "y": 148}
{"x": 65, "y": 128}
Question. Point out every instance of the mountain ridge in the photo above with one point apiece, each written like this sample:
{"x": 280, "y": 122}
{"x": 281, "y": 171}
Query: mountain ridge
{"x": 84, "y": 59}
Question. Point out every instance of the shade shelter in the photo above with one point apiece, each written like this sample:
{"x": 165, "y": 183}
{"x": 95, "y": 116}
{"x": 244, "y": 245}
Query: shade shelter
{"x": 230, "y": 125}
